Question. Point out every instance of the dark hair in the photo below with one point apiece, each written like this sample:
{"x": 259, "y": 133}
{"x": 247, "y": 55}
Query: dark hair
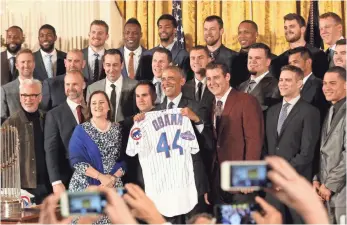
{"x": 109, "y": 113}
{"x": 341, "y": 42}
{"x": 299, "y": 73}
{"x": 201, "y": 47}
{"x": 16, "y": 27}
{"x": 304, "y": 52}
{"x": 133, "y": 21}
{"x": 151, "y": 87}
{"x": 48, "y": 27}
{"x": 194, "y": 218}
{"x": 336, "y": 17}
{"x": 254, "y": 25}
{"x": 168, "y": 17}
{"x": 112, "y": 51}
{"x": 339, "y": 70}
{"x": 80, "y": 74}
{"x": 164, "y": 51}
{"x": 263, "y": 46}
{"x": 100, "y": 23}
{"x": 216, "y": 18}
{"x": 222, "y": 66}
{"x": 293, "y": 16}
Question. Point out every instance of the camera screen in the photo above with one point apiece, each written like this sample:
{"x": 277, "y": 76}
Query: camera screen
{"x": 235, "y": 214}
{"x": 87, "y": 203}
{"x": 248, "y": 175}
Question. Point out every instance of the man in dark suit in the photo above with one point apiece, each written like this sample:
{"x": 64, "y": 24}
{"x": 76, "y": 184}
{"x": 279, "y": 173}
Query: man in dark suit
{"x": 292, "y": 132}
{"x": 98, "y": 35}
{"x": 172, "y": 82}
{"x": 10, "y": 102}
{"x": 295, "y": 28}
{"x": 53, "y": 90}
{"x": 261, "y": 84}
{"x": 49, "y": 61}
{"x": 167, "y": 28}
{"x": 330, "y": 181}
{"x": 236, "y": 126}
{"x": 118, "y": 88}
{"x": 14, "y": 41}
{"x": 60, "y": 123}
{"x": 136, "y": 64}
{"x": 330, "y": 28}
{"x": 340, "y": 53}
{"x": 213, "y": 32}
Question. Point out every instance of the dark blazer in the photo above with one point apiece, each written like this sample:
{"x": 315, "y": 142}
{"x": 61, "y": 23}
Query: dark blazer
{"x": 87, "y": 75}
{"x": 10, "y": 102}
{"x": 40, "y": 72}
{"x": 53, "y": 92}
{"x": 144, "y": 69}
{"x": 6, "y": 75}
{"x": 319, "y": 63}
{"x": 179, "y": 57}
{"x": 266, "y": 91}
{"x": 60, "y": 123}
{"x": 189, "y": 91}
{"x": 201, "y": 181}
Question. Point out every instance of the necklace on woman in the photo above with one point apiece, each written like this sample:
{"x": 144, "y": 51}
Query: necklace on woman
{"x": 101, "y": 129}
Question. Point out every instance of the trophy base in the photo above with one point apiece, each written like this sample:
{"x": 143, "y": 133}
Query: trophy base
{"x": 10, "y": 207}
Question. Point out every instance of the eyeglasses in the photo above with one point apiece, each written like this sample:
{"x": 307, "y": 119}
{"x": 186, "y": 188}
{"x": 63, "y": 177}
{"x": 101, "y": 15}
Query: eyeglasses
{"x": 29, "y": 96}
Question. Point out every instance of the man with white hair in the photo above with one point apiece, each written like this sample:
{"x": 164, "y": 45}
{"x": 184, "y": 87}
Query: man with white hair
{"x": 29, "y": 121}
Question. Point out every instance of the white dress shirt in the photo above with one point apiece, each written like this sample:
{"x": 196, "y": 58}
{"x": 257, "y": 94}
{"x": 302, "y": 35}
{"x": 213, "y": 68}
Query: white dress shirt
{"x": 91, "y": 59}
{"x": 169, "y": 47}
{"x": 305, "y": 79}
{"x": 108, "y": 90}
{"x": 53, "y": 59}
{"x": 137, "y": 57}
{"x": 292, "y": 103}
{"x": 203, "y": 81}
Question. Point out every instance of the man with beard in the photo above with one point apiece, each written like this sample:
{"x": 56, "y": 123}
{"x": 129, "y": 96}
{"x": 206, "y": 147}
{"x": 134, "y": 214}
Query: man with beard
{"x": 25, "y": 65}
{"x": 60, "y": 123}
{"x": 295, "y": 27}
{"x": 137, "y": 65}
{"x": 49, "y": 61}
{"x": 167, "y": 28}
{"x": 14, "y": 41}
{"x": 213, "y": 31}
{"x": 53, "y": 88}
{"x": 98, "y": 35}
{"x": 340, "y": 53}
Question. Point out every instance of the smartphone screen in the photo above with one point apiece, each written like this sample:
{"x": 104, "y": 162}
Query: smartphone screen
{"x": 251, "y": 175}
{"x": 235, "y": 213}
{"x": 83, "y": 203}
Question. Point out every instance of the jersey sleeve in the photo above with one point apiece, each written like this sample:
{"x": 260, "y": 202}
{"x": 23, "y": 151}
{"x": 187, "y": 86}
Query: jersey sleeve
{"x": 137, "y": 139}
{"x": 188, "y": 139}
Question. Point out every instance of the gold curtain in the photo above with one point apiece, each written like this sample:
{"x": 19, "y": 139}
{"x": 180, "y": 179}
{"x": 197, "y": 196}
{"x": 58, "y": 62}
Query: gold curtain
{"x": 267, "y": 14}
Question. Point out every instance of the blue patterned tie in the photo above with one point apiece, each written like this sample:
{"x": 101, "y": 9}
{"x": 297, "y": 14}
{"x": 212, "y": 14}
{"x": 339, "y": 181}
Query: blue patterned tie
{"x": 49, "y": 65}
{"x": 282, "y": 117}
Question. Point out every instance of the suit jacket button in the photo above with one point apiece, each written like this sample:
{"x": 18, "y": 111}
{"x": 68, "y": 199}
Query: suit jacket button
{"x": 277, "y": 148}
{"x": 218, "y": 146}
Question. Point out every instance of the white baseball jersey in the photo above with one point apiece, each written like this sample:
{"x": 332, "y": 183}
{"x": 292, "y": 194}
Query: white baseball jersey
{"x": 165, "y": 141}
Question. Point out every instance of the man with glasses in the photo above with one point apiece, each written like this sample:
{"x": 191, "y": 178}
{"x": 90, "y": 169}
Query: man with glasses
{"x": 29, "y": 120}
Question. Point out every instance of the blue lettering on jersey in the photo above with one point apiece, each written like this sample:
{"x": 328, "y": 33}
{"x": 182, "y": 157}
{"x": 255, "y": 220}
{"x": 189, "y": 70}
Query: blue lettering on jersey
{"x": 167, "y": 120}
{"x": 163, "y": 145}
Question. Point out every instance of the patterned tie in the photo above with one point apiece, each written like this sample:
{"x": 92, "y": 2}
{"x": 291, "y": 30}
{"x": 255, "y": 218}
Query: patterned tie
{"x": 96, "y": 67}
{"x": 113, "y": 100}
{"x": 218, "y": 113}
{"x": 171, "y": 105}
{"x": 131, "y": 68}
{"x": 212, "y": 56}
{"x": 282, "y": 117}
{"x": 80, "y": 114}
{"x": 158, "y": 92}
{"x": 198, "y": 93}
{"x": 251, "y": 85}
{"x": 49, "y": 65}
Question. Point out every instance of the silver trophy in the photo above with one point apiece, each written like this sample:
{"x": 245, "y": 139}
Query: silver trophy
{"x": 10, "y": 173}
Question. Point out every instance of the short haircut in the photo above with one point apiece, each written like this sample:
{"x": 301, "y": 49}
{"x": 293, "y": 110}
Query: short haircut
{"x": 293, "y": 16}
{"x": 298, "y": 72}
{"x": 336, "y": 17}
{"x": 15, "y": 27}
{"x": 194, "y": 218}
{"x": 133, "y": 21}
{"x": 221, "y": 66}
{"x": 109, "y": 113}
{"x": 305, "y": 53}
{"x": 215, "y": 18}
{"x": 168, "y": 17}
{"x": 254, "y": 25}
{"x": 25, "y": 51}
{"x": 100, "y": 23}
{"x": 176, "y": 69}
{"x": 112, "y": 51}
{"x": 201, "y": 47}
{"x": 164, "y": 51}
{"x": 339, "y": 70}
{"x": 30, "y": 82}
{"x": 48, "y": 27}
{"x": 75, "y": 50}
{"x": 341, "y": 42}
{"x": 151, "y": 89}
{"x": 263, "y": 46}
{"x": 74, "y": 72}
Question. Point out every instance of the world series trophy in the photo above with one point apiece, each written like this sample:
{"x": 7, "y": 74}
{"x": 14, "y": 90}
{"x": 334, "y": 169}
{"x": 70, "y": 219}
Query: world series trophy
{"x": 10, "y": 173}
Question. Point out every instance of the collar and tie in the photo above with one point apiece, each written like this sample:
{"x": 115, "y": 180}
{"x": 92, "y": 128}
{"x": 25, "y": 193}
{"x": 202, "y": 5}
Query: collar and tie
{"x": 131, "y": 67}
{"x": 330, "y": 54}
{"x": 49, "y": 65}
{"x": 96, "y": 68}
{"x": 198, "y": 93}
{"x": 251, "y": 85}
{"x": 113, "y": 101}
{"x": 158, "y": 91}
{"x": 80, "y": 115}
{"x": 218, "y": 113}
{"x": 171, "y": 105}
{"x": 12, "y": 65}
{"x": 282, "y": 117}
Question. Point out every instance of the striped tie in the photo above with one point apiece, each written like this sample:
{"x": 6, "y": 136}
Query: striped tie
{"x": 282, "y": 117}
{"x": 49, "y": 65}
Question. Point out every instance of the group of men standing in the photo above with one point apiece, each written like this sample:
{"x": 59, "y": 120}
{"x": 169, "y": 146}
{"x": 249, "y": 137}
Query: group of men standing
{"x": 243, "y": 105}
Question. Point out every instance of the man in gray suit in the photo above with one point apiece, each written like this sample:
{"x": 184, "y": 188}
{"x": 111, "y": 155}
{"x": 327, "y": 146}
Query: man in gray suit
{"x": 25, "y": 64}
{"x": 119, "y": 89}
{"x": 330, "y": 182}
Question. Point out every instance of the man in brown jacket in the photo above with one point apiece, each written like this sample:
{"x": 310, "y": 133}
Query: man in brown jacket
{"x": 29, "y": 121}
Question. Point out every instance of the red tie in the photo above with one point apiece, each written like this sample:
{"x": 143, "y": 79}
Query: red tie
{"x": 80, "y": 114}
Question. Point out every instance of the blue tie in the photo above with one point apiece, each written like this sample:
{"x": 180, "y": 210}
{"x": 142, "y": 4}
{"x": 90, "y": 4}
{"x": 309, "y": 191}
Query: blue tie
{"x": 282, "y": 117}
{"x": 49, "y": 65}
